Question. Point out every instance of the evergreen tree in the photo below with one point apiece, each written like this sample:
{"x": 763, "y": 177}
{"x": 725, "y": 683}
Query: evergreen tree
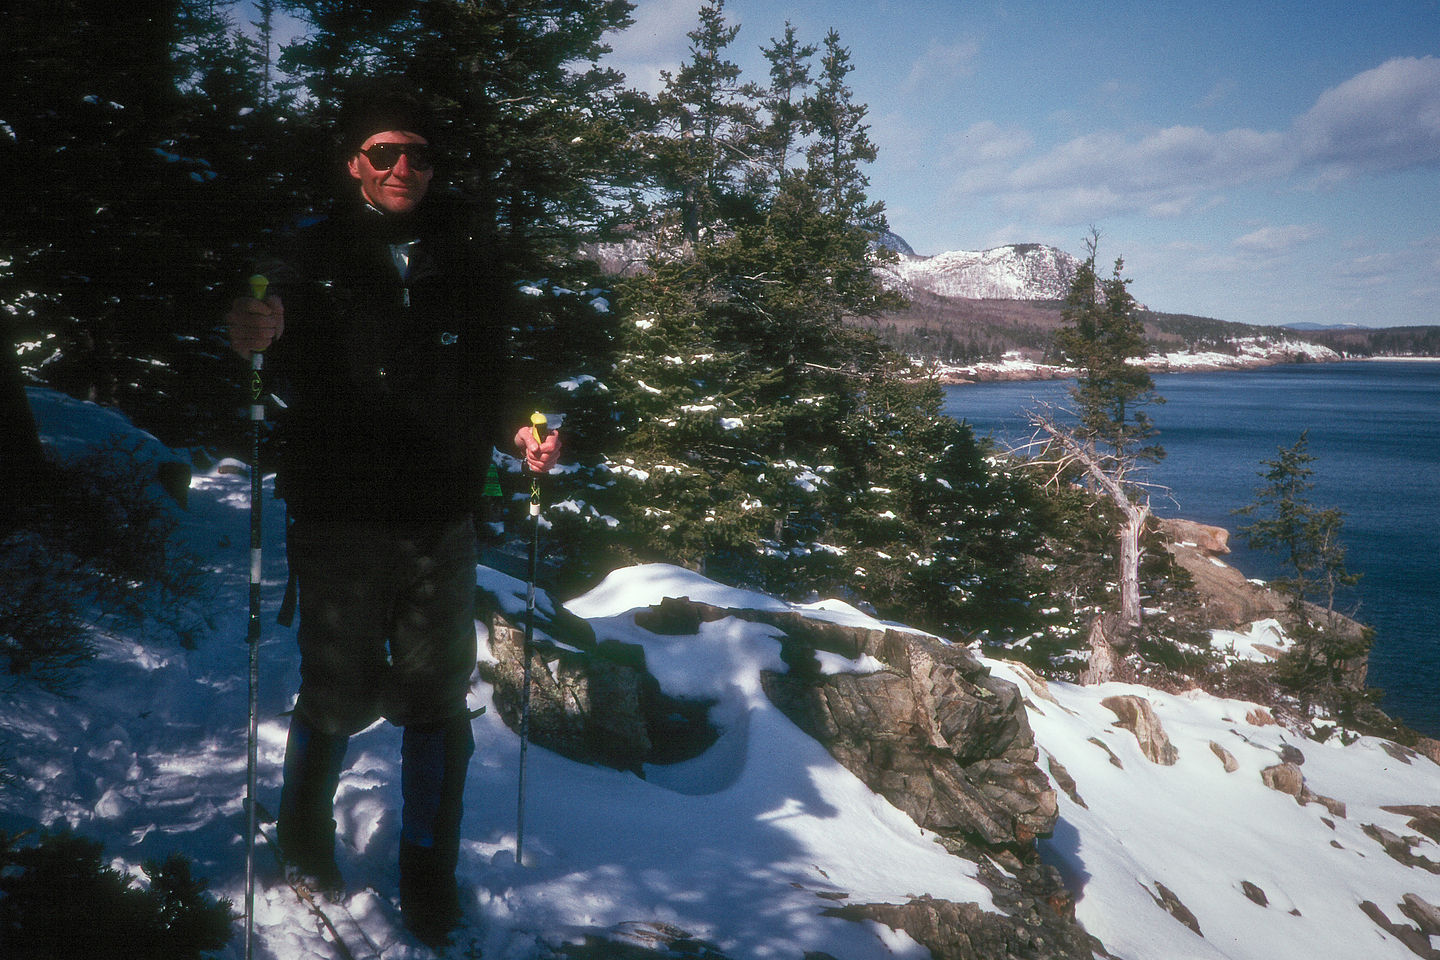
{"x": 57, "y": 899}
{"x": 111, "y": 249}
{"x": 937, "y": 534}
{"x": 1307, "y": 540}
{"x": 783, "y": 100}
{"x": 767, "y": 441}
{"x": 841, "y": 144}
{"x": 1102, "y": 336}
{"x": 711, "y": 142}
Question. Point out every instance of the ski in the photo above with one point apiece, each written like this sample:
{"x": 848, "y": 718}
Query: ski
{"x": 336, "y": 921}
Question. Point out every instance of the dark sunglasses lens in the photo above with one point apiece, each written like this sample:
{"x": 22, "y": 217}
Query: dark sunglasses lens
{"x": 383, "y": 156}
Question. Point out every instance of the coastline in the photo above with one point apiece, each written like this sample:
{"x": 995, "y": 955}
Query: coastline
{"x": 1017, "y": 368}
{"x": 1369, "y": 420}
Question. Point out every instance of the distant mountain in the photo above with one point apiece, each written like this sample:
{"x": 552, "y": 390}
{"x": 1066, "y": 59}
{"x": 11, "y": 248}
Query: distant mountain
{"x": 1017, "y": 271}
{"x": 1322, "y": 326}
{"x": 893, "y": 241}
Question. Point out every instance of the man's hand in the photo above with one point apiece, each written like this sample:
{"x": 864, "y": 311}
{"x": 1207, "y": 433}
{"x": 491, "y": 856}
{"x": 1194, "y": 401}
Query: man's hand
{"x": 255, "y": 324}
{"x": 539, "y": 457}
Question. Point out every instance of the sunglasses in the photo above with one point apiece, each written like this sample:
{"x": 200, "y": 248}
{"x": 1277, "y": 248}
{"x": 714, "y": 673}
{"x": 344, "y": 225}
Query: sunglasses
{"x": 383, "y": 156}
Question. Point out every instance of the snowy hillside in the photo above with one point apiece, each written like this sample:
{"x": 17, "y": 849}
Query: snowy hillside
{"x": 751, "y": 845}
{"x": 1022, "y": 271}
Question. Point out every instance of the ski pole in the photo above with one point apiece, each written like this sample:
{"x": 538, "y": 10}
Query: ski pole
{"x": 258, "y": 284}
{"x": 538, "y": 428}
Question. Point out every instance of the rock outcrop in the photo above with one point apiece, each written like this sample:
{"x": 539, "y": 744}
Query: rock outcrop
{"x": 593, "y": 702}
{"x": 933, "y": 732}
{"x": 1286, "y": 778}
{"x": 962, "y": 931}
{"x": 1138, "y": 716}
{"x": 1228, "y": 599}
{"x": 924, "y": 724}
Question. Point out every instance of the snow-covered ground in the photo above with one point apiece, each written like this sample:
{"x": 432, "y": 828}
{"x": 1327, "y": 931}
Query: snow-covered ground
{"x": 746, "y": 845}
{"x": 1247, "y": 352}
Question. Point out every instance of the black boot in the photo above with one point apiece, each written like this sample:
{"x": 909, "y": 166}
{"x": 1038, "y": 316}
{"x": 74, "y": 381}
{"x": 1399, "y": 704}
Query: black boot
{"x": 306, "y": 823}
{"x": 433, "y": 764}
{"x": 429, "y": 895}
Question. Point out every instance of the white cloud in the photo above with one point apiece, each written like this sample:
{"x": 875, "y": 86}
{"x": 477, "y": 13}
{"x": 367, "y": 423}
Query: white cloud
{"x": 987, "y": 142}
{"x": 942, "y": 63}
{"x": 1277, "y": 239}
{"x": 1385, "y": 119}
{"x": 657, "y": 41}
{"x": 1381, "y": 120}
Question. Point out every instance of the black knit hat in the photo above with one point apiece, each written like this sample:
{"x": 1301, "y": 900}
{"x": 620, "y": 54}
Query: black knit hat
{"x": 383, "y": 104}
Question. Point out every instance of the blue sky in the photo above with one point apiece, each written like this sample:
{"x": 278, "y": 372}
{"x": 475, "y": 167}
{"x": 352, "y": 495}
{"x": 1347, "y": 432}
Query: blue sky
{"x": 1263, "y": 162}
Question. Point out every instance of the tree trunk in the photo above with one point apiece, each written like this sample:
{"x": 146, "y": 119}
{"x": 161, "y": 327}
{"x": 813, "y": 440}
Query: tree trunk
{"x": 1135, "y": 516}
{"x": 1101, "y": 666}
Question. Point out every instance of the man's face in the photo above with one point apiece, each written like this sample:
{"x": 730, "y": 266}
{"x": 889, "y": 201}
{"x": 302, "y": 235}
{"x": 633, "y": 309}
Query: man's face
{"x": 394, "y": 189}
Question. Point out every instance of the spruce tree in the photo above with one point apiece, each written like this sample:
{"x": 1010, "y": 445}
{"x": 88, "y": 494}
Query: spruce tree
{"x": 783, "y": 101}
{"x": 710, "y": 138}
{"x": 1306, "y": 538}
{"x": 1102, "y": 337}
{"x": 841, "y": 143}
{"x": 114, "y": 247}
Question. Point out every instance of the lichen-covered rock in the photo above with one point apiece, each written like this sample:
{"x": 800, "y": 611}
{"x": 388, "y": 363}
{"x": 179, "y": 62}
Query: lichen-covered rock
{"x": 1226, "y": 757}
{"x": 934, "y": 733}
{"x": 962, "y": 931}
{"x": 1285, "y": 778}
{"x": 597, "y": 704}
{"x": 1138, "y": 716}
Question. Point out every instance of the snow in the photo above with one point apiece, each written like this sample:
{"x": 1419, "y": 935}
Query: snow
{"x": 1247, "y": 644}
{"x": 1202, "y": 832}
{"x": 741, "y": 846}
{"x": 1012, "y": 272}
{"x": 1245, "y": 353}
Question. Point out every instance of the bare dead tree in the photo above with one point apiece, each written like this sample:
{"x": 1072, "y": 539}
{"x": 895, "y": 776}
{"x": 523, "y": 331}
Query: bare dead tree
{"x": 1061, "y": 452}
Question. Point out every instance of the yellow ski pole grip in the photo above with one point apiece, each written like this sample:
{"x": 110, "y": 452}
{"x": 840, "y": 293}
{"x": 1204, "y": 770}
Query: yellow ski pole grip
{"x": 539, "y": 427}
{"x": 258, "y": 284}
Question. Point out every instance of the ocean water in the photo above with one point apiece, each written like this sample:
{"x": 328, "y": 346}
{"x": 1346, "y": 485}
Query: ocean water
{"x": 1374, "y": 429}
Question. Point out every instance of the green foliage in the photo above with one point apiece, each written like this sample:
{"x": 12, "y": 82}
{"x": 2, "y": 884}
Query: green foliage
{"x": 706, "y": 141}
{"x": 1306, "y": 538}
{"x": 841, "y": 146}
{"x": 782, "y": 101}
{"x": 1101, "y": 336}
{"x": 946, "y": 533}
{"x": 57, "y": 901}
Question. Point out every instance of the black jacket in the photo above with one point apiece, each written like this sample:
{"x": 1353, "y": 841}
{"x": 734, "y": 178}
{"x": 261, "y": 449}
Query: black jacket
{"x": 394, "y": 385}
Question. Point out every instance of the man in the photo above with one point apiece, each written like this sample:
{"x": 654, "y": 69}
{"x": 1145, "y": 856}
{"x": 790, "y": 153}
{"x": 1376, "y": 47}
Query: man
{"x": 385, "y": 336}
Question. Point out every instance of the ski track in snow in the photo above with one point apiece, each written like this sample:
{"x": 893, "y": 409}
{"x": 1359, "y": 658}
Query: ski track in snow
{"x": 736, "y": 846}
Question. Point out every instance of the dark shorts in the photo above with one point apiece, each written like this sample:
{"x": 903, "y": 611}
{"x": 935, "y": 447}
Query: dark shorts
{"x": 387, "y": 621}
